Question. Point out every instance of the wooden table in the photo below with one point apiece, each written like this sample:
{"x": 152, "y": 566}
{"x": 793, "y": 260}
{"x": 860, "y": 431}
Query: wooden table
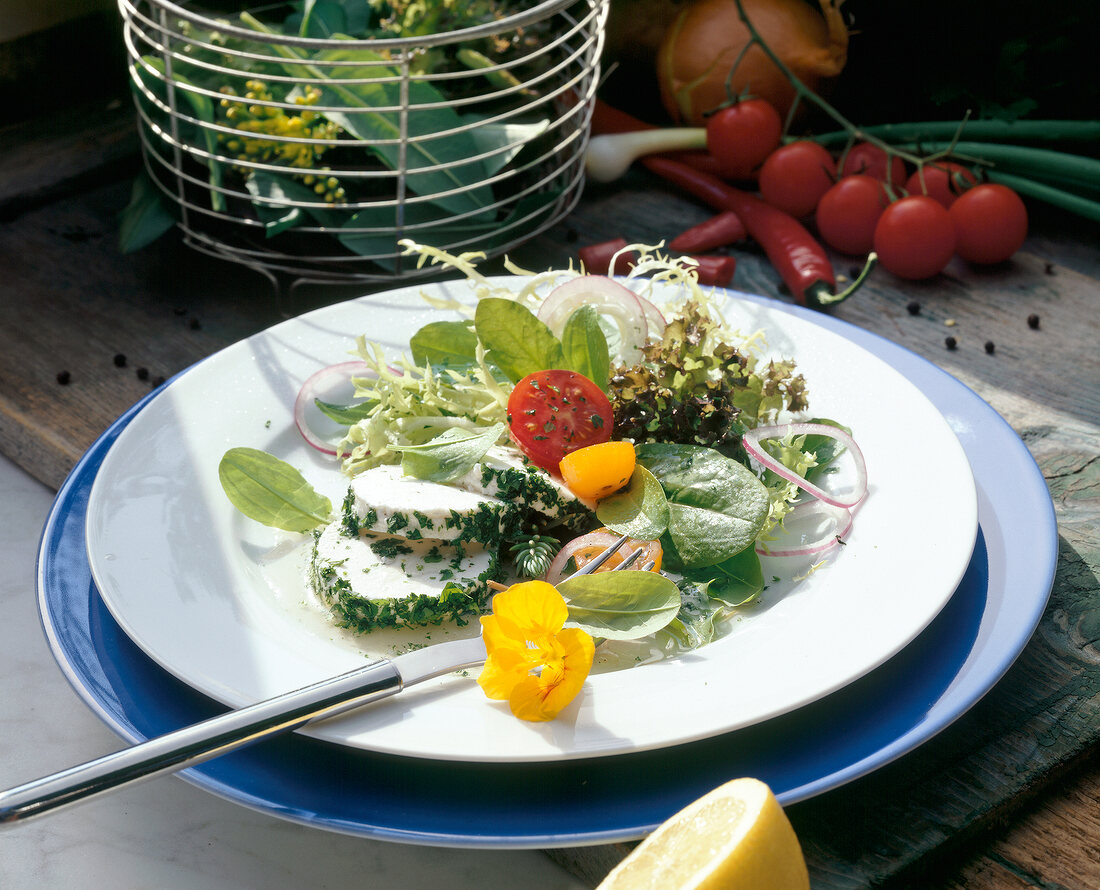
{"x": 1004, "y": 798}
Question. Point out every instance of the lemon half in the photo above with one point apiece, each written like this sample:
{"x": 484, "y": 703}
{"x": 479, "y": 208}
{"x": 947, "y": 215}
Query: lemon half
{"x": 737, "y": 836}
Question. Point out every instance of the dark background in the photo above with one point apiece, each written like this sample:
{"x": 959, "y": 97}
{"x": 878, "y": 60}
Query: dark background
{"x": 932, "y": 60}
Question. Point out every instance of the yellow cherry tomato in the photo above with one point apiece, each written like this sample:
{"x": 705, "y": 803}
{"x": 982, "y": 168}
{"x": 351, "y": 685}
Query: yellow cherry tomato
{"x": 598, "y": 470}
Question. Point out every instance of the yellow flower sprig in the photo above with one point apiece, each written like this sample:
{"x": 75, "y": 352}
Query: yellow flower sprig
{"x": 535, "y": 663}
{"x": 254, "y": 121}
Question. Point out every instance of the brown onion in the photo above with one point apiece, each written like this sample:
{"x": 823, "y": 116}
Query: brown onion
{"x": 704, "y": 41}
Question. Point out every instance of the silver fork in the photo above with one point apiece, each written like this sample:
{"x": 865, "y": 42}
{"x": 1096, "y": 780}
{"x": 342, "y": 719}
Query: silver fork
{"x": 192, "y": 745}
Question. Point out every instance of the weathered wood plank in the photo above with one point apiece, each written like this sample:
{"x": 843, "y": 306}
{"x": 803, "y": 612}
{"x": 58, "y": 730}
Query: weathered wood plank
{"x": 1032, "y": 852}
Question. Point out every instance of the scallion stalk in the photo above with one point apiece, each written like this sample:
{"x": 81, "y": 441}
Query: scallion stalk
{"x": 979, "y": 131}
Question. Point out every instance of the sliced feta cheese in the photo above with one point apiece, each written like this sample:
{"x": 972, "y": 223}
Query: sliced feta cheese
{"x": 371, "y": 580}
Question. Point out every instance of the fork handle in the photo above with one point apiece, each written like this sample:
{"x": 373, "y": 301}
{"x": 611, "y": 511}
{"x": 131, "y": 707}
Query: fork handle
{"x": 203, "y": 741}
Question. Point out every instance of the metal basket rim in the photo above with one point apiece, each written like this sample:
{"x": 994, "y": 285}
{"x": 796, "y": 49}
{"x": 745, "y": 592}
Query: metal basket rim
{"x": 528, "y": 16}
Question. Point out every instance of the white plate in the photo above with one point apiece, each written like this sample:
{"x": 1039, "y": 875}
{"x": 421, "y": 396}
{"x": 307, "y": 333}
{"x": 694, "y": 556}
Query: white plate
{"x": 220, "y": 601}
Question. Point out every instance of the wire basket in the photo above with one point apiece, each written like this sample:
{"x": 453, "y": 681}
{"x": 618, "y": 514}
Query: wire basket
{"x": 315, "y": 155}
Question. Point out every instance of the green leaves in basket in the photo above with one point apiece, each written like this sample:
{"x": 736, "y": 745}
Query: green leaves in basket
{"x": 148, "y": 215}
{"x": 276, "y": 199}
{"x": 201, "y": 106}
{"x": 382, "y": 231}
{"x": 368, "y": 121}
{"x": 322, "y": 19}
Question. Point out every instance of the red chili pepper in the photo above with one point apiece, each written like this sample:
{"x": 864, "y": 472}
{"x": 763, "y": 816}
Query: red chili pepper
{"x": 608, "y": 119}
{"x": 718, "y": 231}
{"x": 703, "y": 161}
{"x": 597, "y": 257}
{"x": 800, "y": 260}
{"x": 716, "y": 271}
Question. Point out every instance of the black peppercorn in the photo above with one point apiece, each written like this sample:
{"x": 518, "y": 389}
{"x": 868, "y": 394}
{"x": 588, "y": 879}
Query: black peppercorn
{"x": 913, "y": 308}
{"x": 64, "y": 377}
{"x": 1033, "y": 321}
{"x": 120, "y": 361}
{"x": 951, "y": 342}
{"x": 989, "y": 347}
{"x": 142, "y": 373}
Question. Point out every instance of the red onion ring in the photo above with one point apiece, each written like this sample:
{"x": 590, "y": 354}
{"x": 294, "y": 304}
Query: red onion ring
{"x": 620, "y": 303}
{"x": 752, "y": 440}
{"x": 593, "y": 539}
{"x": 655, "y": 319}
{"x": 835, "y": 530}
{"x": 312, "y": 389}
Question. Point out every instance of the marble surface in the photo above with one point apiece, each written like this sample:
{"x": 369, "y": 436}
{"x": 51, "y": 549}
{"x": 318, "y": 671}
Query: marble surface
{"x": 166, "y": 833}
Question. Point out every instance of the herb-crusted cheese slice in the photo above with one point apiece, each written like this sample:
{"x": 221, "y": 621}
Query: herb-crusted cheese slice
{"x": 373, "y": 581}
{"x": 490, "y": 502}
{"x": 383, "y": 500}
{"x": 503, "y": 474}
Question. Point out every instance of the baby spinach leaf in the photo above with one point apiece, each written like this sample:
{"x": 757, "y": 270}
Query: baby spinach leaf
{"x": 271, "y": 491}
{"x": 448, "y": 344}
{"x": 515, "y": 340}
{"x": 451, "y": 454}
{"x": 735, "y": 581}
{"x": 717, "y": 506}
{"x": 585, "y": 346}
{"x": 639, "y": 510}
{"x": 621, "y": 605}
{"x": 827, "y": 450}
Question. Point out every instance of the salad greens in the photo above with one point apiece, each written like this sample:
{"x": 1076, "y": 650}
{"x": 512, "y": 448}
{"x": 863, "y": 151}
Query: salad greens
{"x": 692, "y": 489}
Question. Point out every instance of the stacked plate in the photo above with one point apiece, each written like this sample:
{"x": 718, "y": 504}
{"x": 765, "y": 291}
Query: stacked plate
{"x": 162, "y": 605}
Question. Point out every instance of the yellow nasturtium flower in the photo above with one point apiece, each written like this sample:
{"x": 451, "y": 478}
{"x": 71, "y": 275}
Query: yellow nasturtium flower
{"x": 535, "y": 663}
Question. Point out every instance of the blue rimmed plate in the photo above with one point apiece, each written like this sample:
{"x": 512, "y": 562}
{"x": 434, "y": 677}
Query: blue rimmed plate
{"x": 877, "y": 718}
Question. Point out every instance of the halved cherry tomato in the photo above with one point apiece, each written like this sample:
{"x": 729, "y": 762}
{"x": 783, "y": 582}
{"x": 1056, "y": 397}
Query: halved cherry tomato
{"x": 870, "y": 160}
{"x": 990, "y": 223}
{"x": 795, "y": 177}
{"x": 848, "y": 213}
{"x": 740, "y": 136}
{"x": 596, "y": 471}
{"x": 552, "y": 413}
{"x": 943, "y": 180}
{"x": 915, "y": 238}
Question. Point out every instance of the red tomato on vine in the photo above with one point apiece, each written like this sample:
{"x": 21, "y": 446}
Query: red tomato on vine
{"x": 915, "y": 238}
{"x": 742, "y": 135}
{"x": 870, "y": 160}
{"x": 795, "y": 176}
{"x": 848, "y": 212}
{"x": 943, "y": 180}
{"x": 990, "y": 223}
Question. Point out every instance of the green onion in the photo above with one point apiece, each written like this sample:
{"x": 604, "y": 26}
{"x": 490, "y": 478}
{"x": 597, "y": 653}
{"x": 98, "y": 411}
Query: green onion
{"x": 982, "y": 131}
{"x": 1059, "y": 198}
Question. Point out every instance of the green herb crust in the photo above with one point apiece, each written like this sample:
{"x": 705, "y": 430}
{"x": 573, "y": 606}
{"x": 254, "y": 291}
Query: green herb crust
{"x": 459, "y": 599}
